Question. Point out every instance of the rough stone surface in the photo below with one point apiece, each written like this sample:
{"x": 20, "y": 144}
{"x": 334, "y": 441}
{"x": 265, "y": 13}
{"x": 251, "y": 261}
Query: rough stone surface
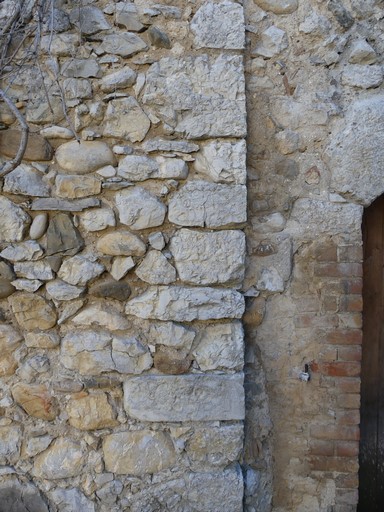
{"x": 37, "y": 147}
{"x": 73, "y": 187}
{"x": 84, "y": 157}
{"x": 61, "y": 204}
{"x": 10, "y": 340}
{"x": 278, "y": 6}
{"x": 185, "y": 398}
{"x": 6, "y": 288}
{"x": 34, "y": 269}
{"x": 48, "y": 339}
{"x": 124, "y": 45}
{"x": 210, "y": 205}
{"x": 126, "y": 119}
{"x": 79, "y": 270}
{"x": 20, "y": 496}
{"x": 363, "y": 76}
{"x": 71, "y": 499}
{"x": 138, "y": 168}
{"x": 220, "y": 346}
{"x": 29, "y": 250}
{"x": 273, "y": 41}
{"x": 121, "y": 79}
{"x": 89, "y": 19}
{"x": 186, "y": 304}
{"x": 35, "y": 400}
{"x": 91, "y": 353}
{"x": 97, "y": 219}
{"x": 121, "y": 243}
{"x": 139, "y": 209}
{"x": 13, "y": 221}
{"x": 59, "y": 290}
{"x": 222, "y": 162}
{"x": 128, "y": 17}
{"x": 102, "y": 315}
{"x": 219, "y": 25}
{"x": 191, "y": 105}
{"x": 121, "y": 266}
{"x": 62, "y": 236}
{"x": 81, "y": 68}
{"x": 91, "y": 412}
{"x": 32, "y": 311}
{"x": 63, "y": 459}
{"x": 209, "y": 258}
{"x": 26, "y": 181}
{"x": 156, "y": 269}
{"x": 138, "y": 453}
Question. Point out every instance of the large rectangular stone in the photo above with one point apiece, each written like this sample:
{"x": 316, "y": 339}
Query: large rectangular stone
{"x": 185, "y": 397}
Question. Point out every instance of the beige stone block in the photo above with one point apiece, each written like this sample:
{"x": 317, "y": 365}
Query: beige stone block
{"x": 36, "y": 401}
{"x": 32, "y": 311}
{"x": 91, "y": 412}
{"x": 63, "y": 459}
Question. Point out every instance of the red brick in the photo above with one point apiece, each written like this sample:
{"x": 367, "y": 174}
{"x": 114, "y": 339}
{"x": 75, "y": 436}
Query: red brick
{"x": 352, "y": 286}
{"x": 352, "y": 353}
{"x": 351, "y": 303}
{"x": 335, "y": 432}
{"x": 347, "y": 448}
{"x": 349, "y": 385}
{"x": 323, "y": 448}
{"x": 339, "y": 464}
{"x": 349, "y": 401}
{"x": 351, "y": 417}
{"x": 329, "y": 354}
{"x": 338, "y": 270}
{"x": 344, "y": 337}
{"x": 338, "y": 369}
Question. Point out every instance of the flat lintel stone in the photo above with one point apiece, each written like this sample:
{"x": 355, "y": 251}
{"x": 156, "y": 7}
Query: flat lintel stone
{"x": 51, "y": 203}
{"x": 185, "y": 398}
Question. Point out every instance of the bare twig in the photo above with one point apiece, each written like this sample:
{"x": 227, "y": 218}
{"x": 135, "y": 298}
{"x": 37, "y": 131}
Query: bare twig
{"x": 12, "y": 164}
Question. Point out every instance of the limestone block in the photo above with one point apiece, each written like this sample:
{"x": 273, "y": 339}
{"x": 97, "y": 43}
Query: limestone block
{"x": 220, "y": 346}
{"x": 71, "y": 499}
{"x": 48, "y": 339}
{"x": 363, "y": 76}
{"x": 10, "y": 442}
{"x": 156, "y": 240}
{"x": 209, "y": 258}
{"x": 121, "y": 243}
{"x": 186, "y": 304}
{"x": 89, "y": 20}
{"x": 128, "y": 17}
{"x": 215, "y": 446}
{"x": 120, "y": 79}
{"x": 139, "y": 209}
{"x": 207, "y": 100}
{"x": 312, "y": 218}
{"x": 123, "y": 44}
{"x": 362, "y": 53}
{"x": 77, "y": 88}
{"x": 185, "y": 397}
{"x": 59, "y": 290}
{"x": 32, "y": 311}
{"x": 124, "y": 118}
{"x": 97, "y": 219}
{"x": 81, "y": 68}
{"x": 355, "y": 153}
{"x": 6, "y": 288}
{"x": 26, "y": 181}
{"x": 25, "y": 494}
{"x": 272, "y": 42}
{"x": 210, "y": 205}
{"x": 138, "y": 453}
{"x": 121, "y": 266}
{"x": 94, "y": 352}
{"x": 24, "y": 251}
{"x": 63, "y": 205}
{"x": 79, "y": 270}
{"x": 137, "y": 168}
{"x": 156, "y": 269}
{"x": 33, "y": 269}
{"x": 178, "y": 146}
{"x": 35, "y": 400}
{"x": 219, "y": 25}
{"x": 272, "y": 223}
{"x": 91, "y": 412}
{"x": 158, "y": 38}
{"x": 63, "y": 459}
{"x": 6, "y": 271}
{"x": 102, "y": 315}
{"x": 278, "y": 6}
{"x": 84, "y": 157}
{"x": 199, "y": 492}
{"x": 37, "y": 147}
{"x": 27, "y": 285}
{"x": 56, "y": 132}
{"x": 62, "y": 236}
{"x": 13, "y": 221}
{"x": 73, "y": 187}
{"x": 10, "y": 340}
{"x": 171, "y": 361}
{"x": 222, "y": 162}
{"x": 173, "y": 335}
{"x": 62, "y": 45}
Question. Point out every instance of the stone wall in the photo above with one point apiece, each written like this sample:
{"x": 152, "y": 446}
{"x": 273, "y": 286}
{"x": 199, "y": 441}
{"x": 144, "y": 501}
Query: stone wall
{"x": 314, "y": 78}
{"x": 122, "y": 260}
